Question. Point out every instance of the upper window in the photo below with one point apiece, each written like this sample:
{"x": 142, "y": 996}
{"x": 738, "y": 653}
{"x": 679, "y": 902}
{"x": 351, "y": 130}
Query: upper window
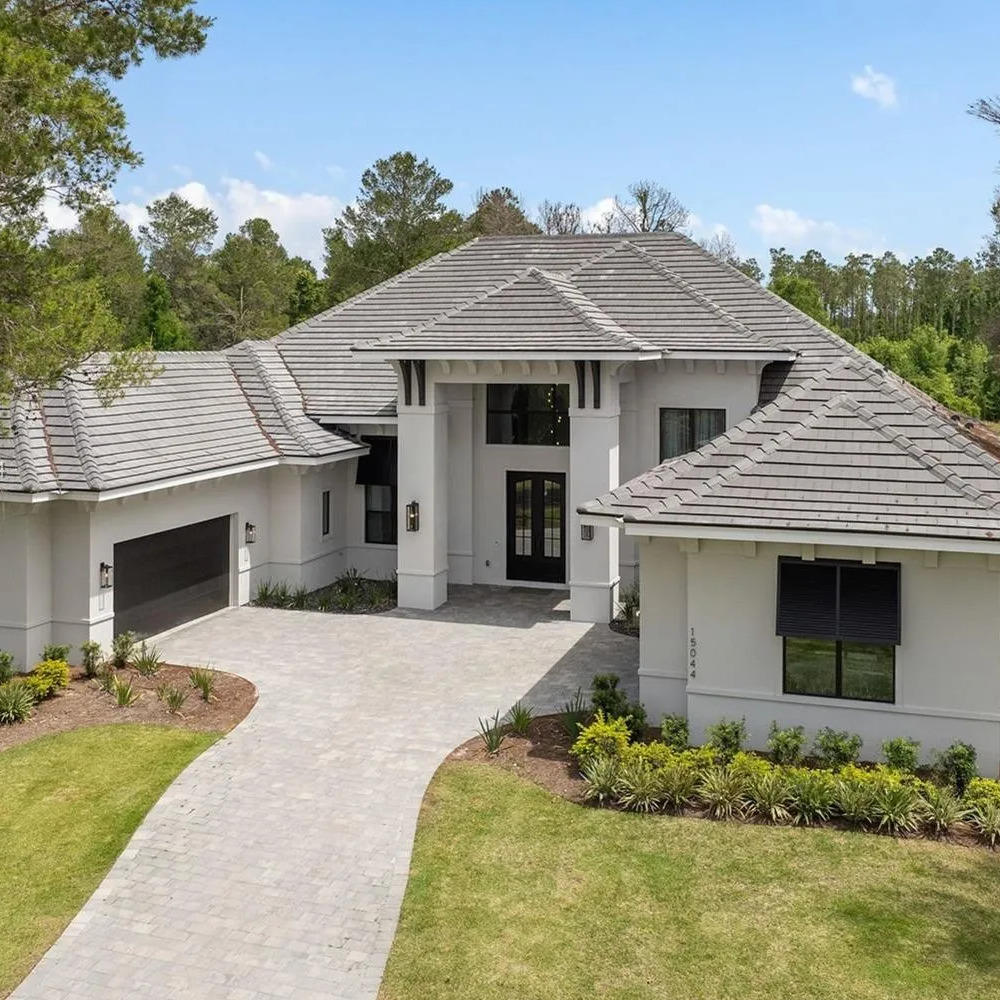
{"x": 380, "y": 515}
{"x": 527, "y": 414}
{"x": 326, "y": 512}
{"x": 840, "y": 624}
{"x": 683, "y": 430}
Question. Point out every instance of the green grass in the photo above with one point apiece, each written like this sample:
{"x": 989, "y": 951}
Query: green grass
{"x": 68, "y": 805}
{"x": 514, "y": 893}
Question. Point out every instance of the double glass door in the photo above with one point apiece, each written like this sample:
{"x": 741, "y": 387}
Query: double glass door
{"x": 536, "y": 526}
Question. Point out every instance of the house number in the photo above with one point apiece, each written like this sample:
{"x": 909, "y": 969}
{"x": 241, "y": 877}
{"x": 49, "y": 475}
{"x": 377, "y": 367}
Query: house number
{"x": 692, "y": 655}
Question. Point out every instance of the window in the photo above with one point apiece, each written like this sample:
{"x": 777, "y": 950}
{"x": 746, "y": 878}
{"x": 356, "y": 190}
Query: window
{"x": 326, "y": 512}
{"x": 683, "y": 430}
{"x": 380, "y": 515}
{"x": 527, "y": 414}
{"x": 840, "y": 625}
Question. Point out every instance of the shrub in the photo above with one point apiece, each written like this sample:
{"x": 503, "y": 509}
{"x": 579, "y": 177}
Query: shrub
{"x": 749, "y": 765}
{"x": 607, "y": 698}
{"x": 6, "y": 666}
{"x": 574, "y": 714}
{"x": 48, "y": 678}
{"x": 603, "y": 736}
{"x": 106, "y": 678}
{"x": 855, "y": 799}
{"x": 628, "y": 602}
{"x": 146, "y": 660}
{"x": 90, "y": 652}
{"x": 172, "y": 697}
{"x": 125, "y": 694}
{"x": 727, "y": 736}
{"x": 700, "y": 758}
{"x": 785, "y": 745}
{"x": 491, "y": 733}
{"x": 300, "y": 599}
{"x": 985, "y": 819}
{"x": 655, "y": 754}
{"x": 836, "y": 747}
{"x": 768, "y": 795}
{"x": 674, "y": 731}
{"x": 957, "y": 766}
{"x": 16, "y": 701}
{"x": 813, "y": 795}
{"x": 679, "y": 782}
{"x": 723, "y": 793}
{"x": 121, "y": 649}
{"x": 600, "y": 778}
{"x": 55, "y": 651}
{"x": 902, "y": 754}
{"x": 639, "y": 786}
{"x": 204, "y": 680}
{"x": 519, "y": 716}
{"x": 899, "y": 807}
{"x": 981, "y": 790}
{"x": 942, "y": 810}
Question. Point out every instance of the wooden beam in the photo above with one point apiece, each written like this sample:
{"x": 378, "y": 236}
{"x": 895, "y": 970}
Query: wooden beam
{"x": 406, "y": 368}
{"x": 420, "y": 368}
{"x": 595, "y": 371}
{"x": 581, "y": 384}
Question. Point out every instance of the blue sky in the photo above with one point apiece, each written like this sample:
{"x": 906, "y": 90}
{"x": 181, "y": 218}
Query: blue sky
{"x": 761, "y": 117}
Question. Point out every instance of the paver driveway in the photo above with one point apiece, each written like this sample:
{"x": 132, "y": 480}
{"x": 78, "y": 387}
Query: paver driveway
{"x": 275, "y": 865}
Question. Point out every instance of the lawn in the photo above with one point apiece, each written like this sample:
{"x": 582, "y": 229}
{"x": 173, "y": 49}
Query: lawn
{"x": 68, "y": 805}
{"x": 515, "y": 893}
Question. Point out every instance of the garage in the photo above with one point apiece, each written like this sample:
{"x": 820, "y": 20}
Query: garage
{"x": 171, "y": 577}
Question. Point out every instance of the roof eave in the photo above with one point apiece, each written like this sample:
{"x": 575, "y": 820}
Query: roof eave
{"x": 736, "y": 354}
{"x": 570, "y": 354}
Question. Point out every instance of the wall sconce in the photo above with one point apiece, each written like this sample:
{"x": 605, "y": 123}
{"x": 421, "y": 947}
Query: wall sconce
{"x": 107, "y": 576}
{"x": 413, "y": 516}
{"x": 586, "y": 532}
{"x": 250, "y": 533}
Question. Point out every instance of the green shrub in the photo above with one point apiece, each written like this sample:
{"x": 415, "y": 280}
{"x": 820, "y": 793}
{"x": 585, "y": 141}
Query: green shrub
{"x": 749, "y": 765}
{"x": 300, "y": 599}
{"x": 902, "y": 754}
{"x": 124, "y": 693}
{"x": 639, "y": 786}
{"x": 899, "y": 808}
{"x": 121, "y": 649}
{"x": 957, "y": 766}
{"x": 6, "y": 666}
{"x": 813, "y": 795}
{"x": 836, "y": 747}
{"x": 491, "y": 732}
{"x": 90, "y": 653}
{"x": 147, "y": 660}
{"x": 942, "y": 810}
{"x": 16, "y": 701}
{"x": 855, "y": 799}
{"x": 603, "y": 736}
{"x": 628, "y": 602}
{"x": 674, "y": 731}
{"x": 785, "y": 745}
{"x": 606, "y": 697}
{"x": 574, "y": 714}
{"x": 519, "y": 716}
{"x": 981, "y": 790}
{"x": 679, "y": 782}
{"x": 204, "y": 680}
{"x": 769, "y": 794}
{"x": 600, "y": 778}
{"x": 105, "y": 678}
{"x": 727, "y": 736}
{"x": 655, "y": 754}
{"x": 172, "y": 697}
{"x": 985, "y": 820}
{"x": 48, "y": 678}
{"x": 723, "y": 793}
{"x": 55, "y": 651}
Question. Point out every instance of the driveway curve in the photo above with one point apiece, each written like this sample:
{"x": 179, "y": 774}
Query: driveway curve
{"x": 275, "y": 865}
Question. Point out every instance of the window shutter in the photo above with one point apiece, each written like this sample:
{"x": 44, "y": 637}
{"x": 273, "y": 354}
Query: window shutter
{"x": 807, "y": 600}
{"x": 869, "y": 604}
{"x": 378, "y": 467}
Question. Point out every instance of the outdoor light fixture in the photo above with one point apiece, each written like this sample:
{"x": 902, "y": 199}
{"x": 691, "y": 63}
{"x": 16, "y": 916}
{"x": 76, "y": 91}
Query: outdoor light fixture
{"x": 107, "y": 575}
{"x": 250, "y": 533}
{"x": 586, "y": 532}
{"x": 413, "y": 516}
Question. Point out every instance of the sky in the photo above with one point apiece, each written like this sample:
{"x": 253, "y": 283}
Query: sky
{"x": 834, "y": 125}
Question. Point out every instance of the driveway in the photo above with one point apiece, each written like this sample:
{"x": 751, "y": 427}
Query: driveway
{"x": 275, "y": 865}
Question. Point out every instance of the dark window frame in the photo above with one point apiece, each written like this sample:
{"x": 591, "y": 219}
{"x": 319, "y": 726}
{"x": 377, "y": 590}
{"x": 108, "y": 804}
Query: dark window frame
{"x": 525, "y": 415}
{"x": 838, "y": 672}
{"x": 325, "y": 513}
{"x": 392, "y": 521}
{"x": 690, "y": 411}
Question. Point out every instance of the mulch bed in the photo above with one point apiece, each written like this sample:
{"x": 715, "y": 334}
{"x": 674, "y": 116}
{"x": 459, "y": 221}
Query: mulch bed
{"x": 619, "y": 625}
{"x": 83, "y": 704}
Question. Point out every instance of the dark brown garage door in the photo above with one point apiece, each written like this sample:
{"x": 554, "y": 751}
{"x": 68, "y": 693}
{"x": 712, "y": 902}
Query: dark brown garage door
{"x": 166, "y": 579}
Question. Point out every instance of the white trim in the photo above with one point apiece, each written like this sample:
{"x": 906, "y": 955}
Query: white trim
{"x": 354, "y": 419}
{"x": 500, "y": 355}
{"x": 731, "y": 355}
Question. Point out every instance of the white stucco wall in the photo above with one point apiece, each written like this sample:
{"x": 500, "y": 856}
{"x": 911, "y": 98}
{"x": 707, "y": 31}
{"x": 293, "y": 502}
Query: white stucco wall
{"x": 947, "y": 665}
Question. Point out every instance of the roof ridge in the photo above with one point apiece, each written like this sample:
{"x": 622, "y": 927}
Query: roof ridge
{"x": 22, "y": 446}
{"x": 81, "y": 434}
{"x": 284, "y": 415}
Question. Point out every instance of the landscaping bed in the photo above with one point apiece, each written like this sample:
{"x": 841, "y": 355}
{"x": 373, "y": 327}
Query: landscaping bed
{"x": 351, "y": 593}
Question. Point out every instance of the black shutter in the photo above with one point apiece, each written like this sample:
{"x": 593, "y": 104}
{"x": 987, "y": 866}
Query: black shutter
{"x": 869, "y": 604}
{"x": 378, "y": 467}
{"x": 807, "y": 600}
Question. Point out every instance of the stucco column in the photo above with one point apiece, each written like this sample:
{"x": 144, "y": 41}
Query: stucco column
{"x": 593, "y": 470}
{"x": 422, "y": 568}
{"x": 628, "y": 553}
{"x": 461, "y": 483}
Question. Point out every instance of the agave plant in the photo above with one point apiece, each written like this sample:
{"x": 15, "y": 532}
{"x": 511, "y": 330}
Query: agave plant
{"x": 899, "y": 808}
{"x": 943, "y": 810}
{"x": 519, "y": 715}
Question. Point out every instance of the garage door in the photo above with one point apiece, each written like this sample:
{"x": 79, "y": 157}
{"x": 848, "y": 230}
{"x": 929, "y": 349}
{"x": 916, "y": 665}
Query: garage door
{"x": 166, "y": 579}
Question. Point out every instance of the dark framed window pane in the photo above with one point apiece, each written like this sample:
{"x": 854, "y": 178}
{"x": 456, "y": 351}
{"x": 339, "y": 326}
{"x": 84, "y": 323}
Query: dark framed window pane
{"x": 326, "y": 512}
{"x": 807, "y": 599}
{"x": 528, "y": 414}
{"x": 869, "y": 604}
{"x": 868, "y": 672}
{"x": 380, "y": 515}
{"x": 811, "y": 667}
{"x": 683, "y": 429}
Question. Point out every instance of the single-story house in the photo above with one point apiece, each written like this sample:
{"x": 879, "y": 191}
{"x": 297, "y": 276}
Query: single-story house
{"x": 816, "y": 541}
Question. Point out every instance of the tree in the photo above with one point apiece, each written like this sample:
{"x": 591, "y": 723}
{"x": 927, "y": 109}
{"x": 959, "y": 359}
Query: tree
{"x": 803, "y": 294}
{"x": 557, "y": 218}
{"x": 159, "y": 327}
{"x": 650, "y": 208}
{"x": 308, "y": 295}
{"x": 399, "y": 219}
{"x": 499, "y": 212}
{"x": 62, "y": 131}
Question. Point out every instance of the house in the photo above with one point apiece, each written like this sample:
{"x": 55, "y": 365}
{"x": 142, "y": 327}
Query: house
{"x": 816, "y": 541}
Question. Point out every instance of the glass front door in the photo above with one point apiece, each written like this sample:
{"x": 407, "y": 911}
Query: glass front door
{"x": 536, "y": 526}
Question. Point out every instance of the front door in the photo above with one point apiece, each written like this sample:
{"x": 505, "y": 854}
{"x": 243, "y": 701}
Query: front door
{"x": 536, "y": 526}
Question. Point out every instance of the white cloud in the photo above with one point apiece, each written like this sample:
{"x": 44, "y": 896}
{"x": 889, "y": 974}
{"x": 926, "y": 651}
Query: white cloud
{"x": 263, "y": 160}
{"x": 597, "y": 212}
{"x": 875, "y": 86}
{"x": 786, "y": 227}
{"x": 57, "y": 215}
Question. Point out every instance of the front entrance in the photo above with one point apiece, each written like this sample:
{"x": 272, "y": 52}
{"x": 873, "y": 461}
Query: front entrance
{"x": 536, "y": 526}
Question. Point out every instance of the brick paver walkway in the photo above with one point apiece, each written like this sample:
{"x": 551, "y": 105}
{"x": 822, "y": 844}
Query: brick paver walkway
{"x": 275, "y": 865}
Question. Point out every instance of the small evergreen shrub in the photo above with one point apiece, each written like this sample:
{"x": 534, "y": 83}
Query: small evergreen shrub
{"x": 957, "y": 766}
{"x": 813, "y": 795}
{"x": 679, "y": 782}
{"x": 55, "y": 651}
{"x": 491, "y": 732}
{"x": 6, "y": 666}
{"x": 769, "y": 794}
{"x": 106, "y": 678}
{"x": 727, "y": 736}
{"x": 90, "y": 653}
{"x": 574, "y": 714}
{"x": 655, "y": 754}
{"x": 628, "y": 603}
{"x": 121, "y": 649}
{"x": 981, "y": 790}
{"x": 674, "y": 731}
{"x": 985, "y": 820}
{"x": 48, "y": 678}
{"x": 899, "y": 808}
{"x": 519, "y": 716}
{"x": 607, "y": 737}
{"x": 146, "y": 660}
{"x": 600, "y": 778}
{"x": 943, "y": 810}
{"x": 785, "y": 745}
{"x": 836, "y": 747}
{"x": 902, "y": 754}
{"x": 855, "y": 799}
{"x": 124, "y": 692}
{"x": 16, "y": 701}
{"x": 203, "y": 680}
{"x": 723, "y": 793}
{"x": 639, "y": 786}
{"x": 606, "y": 697}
